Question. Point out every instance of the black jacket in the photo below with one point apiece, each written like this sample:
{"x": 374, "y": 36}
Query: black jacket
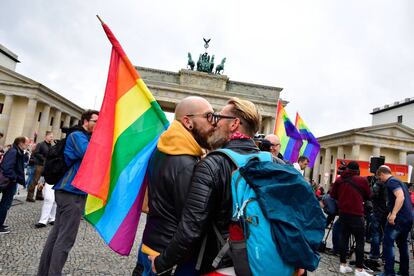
{"x": 209, "y": 201}
{"x": 40, "y": 153}
{"x": 170, "y": 179}
{"x": 13, "y": 165}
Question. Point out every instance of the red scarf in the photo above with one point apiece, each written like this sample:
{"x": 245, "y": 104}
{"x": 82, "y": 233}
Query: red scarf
{"x": 239, "y": 135}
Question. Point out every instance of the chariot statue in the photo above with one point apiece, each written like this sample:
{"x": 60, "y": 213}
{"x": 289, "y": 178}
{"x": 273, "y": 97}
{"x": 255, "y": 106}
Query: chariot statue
{"x": 205, "y": 62}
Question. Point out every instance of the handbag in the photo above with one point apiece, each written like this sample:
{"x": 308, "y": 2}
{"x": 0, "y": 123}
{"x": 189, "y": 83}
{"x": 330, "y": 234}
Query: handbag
{"x": 4, "y": 181}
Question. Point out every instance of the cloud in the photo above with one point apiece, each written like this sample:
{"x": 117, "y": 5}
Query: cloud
{"x": 336, "y": 60}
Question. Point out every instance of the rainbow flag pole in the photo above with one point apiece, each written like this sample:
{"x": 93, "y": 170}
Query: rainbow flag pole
{"x": 290, "y": 139}
{"x": 310, "y": 147}
{"x": 114, "y": 167}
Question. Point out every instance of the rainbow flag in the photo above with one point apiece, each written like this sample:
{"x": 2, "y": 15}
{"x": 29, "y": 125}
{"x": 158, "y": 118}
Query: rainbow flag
{"x": 310, "y": 147}
{"x": 114, "y": 166}
{"x": 290, "y": 139}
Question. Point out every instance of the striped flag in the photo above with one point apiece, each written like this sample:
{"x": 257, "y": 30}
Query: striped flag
{"x": 310, "y": 147}
{"x": 114, "y": 166}
{"x": 290, "y": 139}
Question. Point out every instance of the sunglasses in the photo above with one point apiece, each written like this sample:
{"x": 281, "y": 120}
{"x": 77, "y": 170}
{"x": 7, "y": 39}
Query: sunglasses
{"x": 212, "y": 118}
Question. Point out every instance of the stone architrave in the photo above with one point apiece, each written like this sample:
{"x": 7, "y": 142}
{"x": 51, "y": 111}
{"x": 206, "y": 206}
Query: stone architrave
{"x": 56, "y": 123}
{"x": 28, "y": 127}
{"x": 44, "y": 121}
{"x": 5, "y": 115}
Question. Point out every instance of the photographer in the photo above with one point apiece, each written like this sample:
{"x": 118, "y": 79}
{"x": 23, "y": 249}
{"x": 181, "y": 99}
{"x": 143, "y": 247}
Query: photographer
{"x": 351, "y": 190}
{"x": 271, "y": 143}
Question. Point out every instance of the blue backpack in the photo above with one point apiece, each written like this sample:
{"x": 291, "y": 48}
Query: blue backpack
{"x": 281, "y": 233}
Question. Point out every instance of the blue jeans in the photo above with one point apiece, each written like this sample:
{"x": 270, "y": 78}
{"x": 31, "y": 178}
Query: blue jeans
{"x": 30, "y": 172}
{"x": 398, "y": 233}
{"x": 336, "y": 235}
{"x": 377, "y": 233}
{"x": 186, "y": 269}
{"x": 6, "y": 201}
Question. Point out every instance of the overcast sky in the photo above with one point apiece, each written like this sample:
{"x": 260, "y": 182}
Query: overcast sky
{"x": 335, "y": 60}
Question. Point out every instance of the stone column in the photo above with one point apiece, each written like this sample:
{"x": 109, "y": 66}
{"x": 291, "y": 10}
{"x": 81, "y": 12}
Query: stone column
{"x": 326, "y": 168}
{"x": 5, "y": 116}
{"x": 75, "y": 122}
{"x": 30, "y": 118}
{"x": 268, "y": 125}
{"x": 66, "y": 123}
{"x": 355, "y": 152}
{"x": 340, "y": 153}
{"x": 44, "y": 122}
{"x": 403, "y": 157}
{"x": 56, "y": 123}
{"x": 376, "y": 151}
{"x": 316, "y": 167}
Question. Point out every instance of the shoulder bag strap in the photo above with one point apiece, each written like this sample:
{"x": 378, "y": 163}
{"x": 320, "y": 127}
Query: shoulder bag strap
{"x": 356, "y": 187}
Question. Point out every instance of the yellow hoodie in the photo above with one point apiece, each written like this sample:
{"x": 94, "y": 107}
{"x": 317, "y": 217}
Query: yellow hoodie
{"x": 176, "y": 140}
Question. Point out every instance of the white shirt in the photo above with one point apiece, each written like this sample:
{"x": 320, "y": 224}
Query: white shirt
{"x": 297, "y": 167}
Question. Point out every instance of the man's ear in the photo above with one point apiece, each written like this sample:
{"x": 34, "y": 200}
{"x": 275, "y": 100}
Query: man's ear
{"x": 235, "y": 125}
{"x": 187, "y": 122}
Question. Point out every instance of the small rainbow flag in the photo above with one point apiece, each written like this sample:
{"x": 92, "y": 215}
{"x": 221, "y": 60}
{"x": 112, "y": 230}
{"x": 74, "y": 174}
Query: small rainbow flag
{"x": 114, "y": 166}
{"x": 310, "y": 147}
{"x": 290, "y": 139}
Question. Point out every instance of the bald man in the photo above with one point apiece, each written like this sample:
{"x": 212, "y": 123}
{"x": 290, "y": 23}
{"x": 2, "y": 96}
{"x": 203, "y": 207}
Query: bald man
{"x": 170, "y": 170}
{"x": 274, "y": 145}
{"x": 400, "y": 221}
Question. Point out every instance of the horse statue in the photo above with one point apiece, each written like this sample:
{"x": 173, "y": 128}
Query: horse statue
{"x": 211, "y": 64}
{"x": 220, "y": 67}
{"x": 190, "y": 63}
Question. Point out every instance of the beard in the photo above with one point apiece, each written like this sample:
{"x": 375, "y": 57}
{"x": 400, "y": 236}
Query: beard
{"x": 201, "y": 138}
{"x": 217, "y": 140}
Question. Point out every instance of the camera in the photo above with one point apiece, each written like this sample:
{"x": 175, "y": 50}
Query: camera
{"x": 342, "y": 167}
{"x": 262, "y": 143}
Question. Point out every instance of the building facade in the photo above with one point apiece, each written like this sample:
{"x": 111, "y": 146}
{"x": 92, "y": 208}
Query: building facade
{"x": 400, "y": 112}
{"x": 169, "y": 88}
{"x": 29, "y": 108}
{"x": 394, "y": 141}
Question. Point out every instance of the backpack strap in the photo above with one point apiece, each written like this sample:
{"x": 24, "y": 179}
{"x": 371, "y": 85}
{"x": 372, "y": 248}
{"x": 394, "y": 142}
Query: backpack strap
{"x": 356, "y": 187}
{"x": 242, "y": 159}
{"x": 201, "y": 253}
{"x": 223, "y": 251}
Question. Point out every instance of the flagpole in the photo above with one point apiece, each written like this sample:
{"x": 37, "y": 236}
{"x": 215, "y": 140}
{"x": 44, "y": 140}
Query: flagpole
{"x": 100, "y": 19}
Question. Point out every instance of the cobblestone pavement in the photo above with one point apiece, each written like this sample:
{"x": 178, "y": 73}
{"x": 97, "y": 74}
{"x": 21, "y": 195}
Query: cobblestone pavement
{"x": 20, "y": 250}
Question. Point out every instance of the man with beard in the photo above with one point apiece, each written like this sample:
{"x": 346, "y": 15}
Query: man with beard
{"x": 209, "y": 200}
{"x": 70, "y": 200}
{"x": 169, "y": 173}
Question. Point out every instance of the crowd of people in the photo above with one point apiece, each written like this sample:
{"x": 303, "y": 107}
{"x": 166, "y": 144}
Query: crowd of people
{"x": 190, "y": 212}
{"x": 377, "y": 209}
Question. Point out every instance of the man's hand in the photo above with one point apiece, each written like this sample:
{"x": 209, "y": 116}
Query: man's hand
{"x": 391, "y": 218}
{"x": 152, "y": 259}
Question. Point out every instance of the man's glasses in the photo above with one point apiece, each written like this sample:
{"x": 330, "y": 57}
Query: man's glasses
{"x": 212, "y": 118}
{"x": 209, "y": 116}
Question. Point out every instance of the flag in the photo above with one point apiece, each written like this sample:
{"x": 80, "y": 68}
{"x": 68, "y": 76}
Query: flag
{"x": 114, "y": 166}
{"x": 310, "y": 147}
{"x": 290, "y": 139}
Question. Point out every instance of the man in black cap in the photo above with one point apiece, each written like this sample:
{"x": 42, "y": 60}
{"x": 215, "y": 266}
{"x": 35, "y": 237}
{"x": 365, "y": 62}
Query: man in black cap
{"x": 351, "y": 190}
